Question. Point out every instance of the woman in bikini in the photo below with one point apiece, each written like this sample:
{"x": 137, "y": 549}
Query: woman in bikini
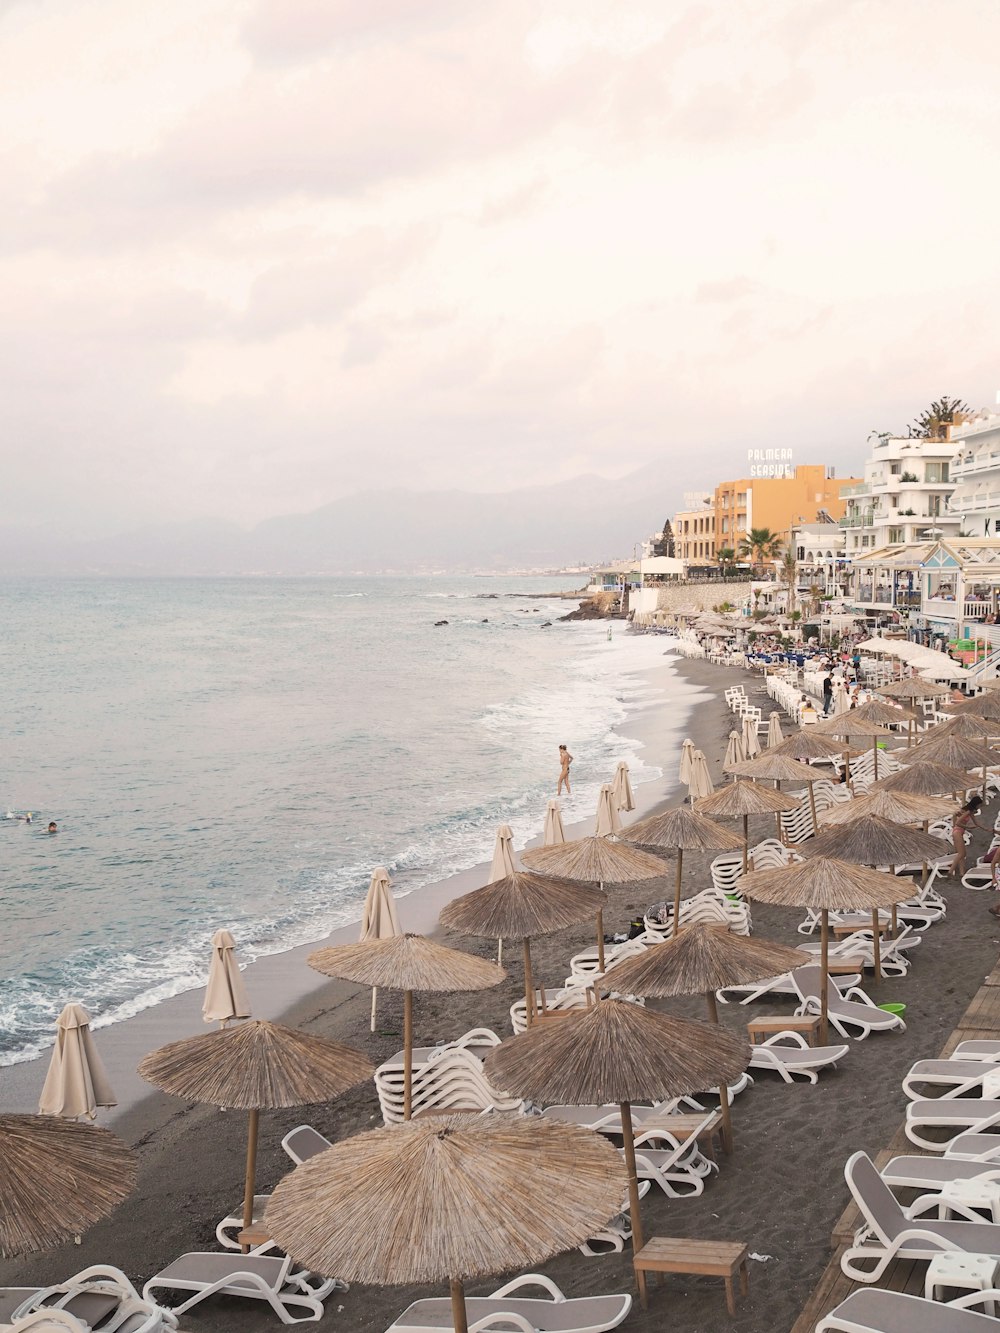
{"x": 565, "y": 759}
{"x": 960, "y": 825}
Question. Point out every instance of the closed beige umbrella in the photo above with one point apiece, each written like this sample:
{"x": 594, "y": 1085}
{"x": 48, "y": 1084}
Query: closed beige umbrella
{"x": 76, "y": 1084}
{"x": 379, "y": 920}
{"x": 608, "y": 821}
{"x": 446, "y": 1200}
{"x": 503, "y": 866}
{"x": 735, "y": 753}
{"x": 622, "y": 788}
{"x": 751, "y": 745}
{"x": 841, "y": 701}
{"x": 225, "y": 994}
{"x": 255, "y": 1066}
{"x": 554, "y": 833}
{"x": 684, "y": 770}
{"x": 774, "y": 736}
{"x": 700, "y": 784}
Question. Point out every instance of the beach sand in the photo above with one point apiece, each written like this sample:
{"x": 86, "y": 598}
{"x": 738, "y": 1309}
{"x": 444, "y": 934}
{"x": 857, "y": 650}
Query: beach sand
{"x": 781, "y": 1191}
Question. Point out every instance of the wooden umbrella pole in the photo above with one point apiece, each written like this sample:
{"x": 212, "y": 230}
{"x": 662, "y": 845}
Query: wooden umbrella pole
{"x": 877, "y": 950}
{"x": 895, "y": 919}
{"x": 677, "y": 891}
{"x": 459, "y": 1318}
{"x": 812, "y": 809}
{"x": 600, "y": 934}
{"x": 407, "y": 1053}
{"x": 824, "y": 981}
{"x": 724, "y": 1107}
{"x": 251, "y": 1174}
{"x": 847, "y": 765}
{"x": 746, "y": 841}
{"x": 500, "y": 951}
{"x": 875, "y": 755}
{"x": 628, "y": 1137}
{"x": 374, "y": 1005}
{"x": 529, "y": 986}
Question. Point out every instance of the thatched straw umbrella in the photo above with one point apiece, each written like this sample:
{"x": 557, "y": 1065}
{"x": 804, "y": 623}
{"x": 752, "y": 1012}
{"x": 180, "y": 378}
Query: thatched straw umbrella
{"x": 900, "y": 807}
{"x": 825, "y": 884}
{"x": 407, "y": 963}
{"x": 885, "y": 714}
{"x": 983, "y": 705}
{"x": 256, "y": 1067}
{"x": 779, "y": 768}
{"x": 521, "y": 907}
{"x": 851, "y": 726}
{"x": 57, "y": 1178}
{"x": 807, "y": 745}
{"x": 681, "y": 830}
{"x": 595, "y": 861}
{"x": 617, "y": 1052}
{"x": 928, "y": 778}
{"x": 447, "y": 1200}
{"x": 968, "y": 725}
{"x": 706, "y": 958}
{"x": 955, "y": 750}
{"x": 872, "y": 841}
{"x": 743, "y": 798}
{"x": 913, "y": 688}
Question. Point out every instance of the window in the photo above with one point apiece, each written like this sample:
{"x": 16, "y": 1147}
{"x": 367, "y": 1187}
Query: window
{"x": 937, "y": 472}
{"x": 741, "y": 500}
{"x": 725, "y": 525}
{"x": 895, "y": 469}
{"x": 895, "y": 535}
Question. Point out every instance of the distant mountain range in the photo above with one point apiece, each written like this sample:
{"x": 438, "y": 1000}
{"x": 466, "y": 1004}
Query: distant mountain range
{"x": 578, "y": 522}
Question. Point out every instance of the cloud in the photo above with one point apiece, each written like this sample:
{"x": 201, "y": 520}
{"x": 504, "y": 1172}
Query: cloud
{"x": 279, "y": 31}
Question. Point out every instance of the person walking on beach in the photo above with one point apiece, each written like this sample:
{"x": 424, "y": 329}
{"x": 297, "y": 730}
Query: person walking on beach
{"x": 827, "y": 693}
{"x": 964, "y": 821}
{"x": 565, "y": 759}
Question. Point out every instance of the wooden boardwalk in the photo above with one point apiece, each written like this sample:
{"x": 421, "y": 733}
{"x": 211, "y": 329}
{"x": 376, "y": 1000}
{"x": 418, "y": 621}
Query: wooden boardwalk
{"x": 980, "y": 1021}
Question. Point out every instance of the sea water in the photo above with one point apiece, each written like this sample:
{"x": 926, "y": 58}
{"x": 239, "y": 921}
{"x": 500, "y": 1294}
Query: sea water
{"x": 243, "y": 752}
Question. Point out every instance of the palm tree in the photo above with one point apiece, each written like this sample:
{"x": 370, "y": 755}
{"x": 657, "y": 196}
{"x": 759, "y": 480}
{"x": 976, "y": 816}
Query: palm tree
{"x": 789, "y": 575}
{"x": 726, "y": 556}
{"x": 760, "y": 544}
{"x": 932, "y": 420}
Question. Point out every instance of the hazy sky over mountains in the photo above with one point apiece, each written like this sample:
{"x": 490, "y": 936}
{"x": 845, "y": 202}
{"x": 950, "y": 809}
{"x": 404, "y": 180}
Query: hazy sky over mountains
{"x": 258, "y": 254}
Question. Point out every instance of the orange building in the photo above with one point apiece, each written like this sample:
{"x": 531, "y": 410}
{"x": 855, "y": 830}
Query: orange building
{"x": 805, "y": 495}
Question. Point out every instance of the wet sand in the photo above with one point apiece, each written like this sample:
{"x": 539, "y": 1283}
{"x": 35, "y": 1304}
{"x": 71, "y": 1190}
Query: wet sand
{"x": 781, "y": 1191}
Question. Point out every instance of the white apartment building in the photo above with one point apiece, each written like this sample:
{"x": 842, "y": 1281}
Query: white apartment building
{"x": 904, "y": 496}
{"x": 975, "y": 469}
{"x": 819, "y": 556}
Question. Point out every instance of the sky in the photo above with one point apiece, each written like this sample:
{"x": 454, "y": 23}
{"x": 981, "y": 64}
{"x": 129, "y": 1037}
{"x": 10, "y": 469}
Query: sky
{"x": 256, "y": 255}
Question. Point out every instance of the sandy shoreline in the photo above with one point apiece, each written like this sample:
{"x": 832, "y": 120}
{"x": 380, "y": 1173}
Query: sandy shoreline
{"x": 781, "y": 1191}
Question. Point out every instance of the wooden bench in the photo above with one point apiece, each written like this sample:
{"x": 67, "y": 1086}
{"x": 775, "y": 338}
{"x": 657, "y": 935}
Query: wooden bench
{"x": 710, "y": 1258}
{"x": 842, "y": 967}
{"x": 766, "y": 1025}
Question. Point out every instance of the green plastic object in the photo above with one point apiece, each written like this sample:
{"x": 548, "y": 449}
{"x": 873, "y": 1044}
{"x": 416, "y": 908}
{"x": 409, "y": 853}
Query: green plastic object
{"x": 898, "y": 1009}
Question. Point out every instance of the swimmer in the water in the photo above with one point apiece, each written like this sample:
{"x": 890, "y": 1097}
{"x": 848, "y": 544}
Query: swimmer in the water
{"x": 53, "y": 826}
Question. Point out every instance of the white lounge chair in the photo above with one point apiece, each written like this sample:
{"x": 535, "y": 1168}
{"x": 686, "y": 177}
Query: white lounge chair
{"x": 256, "y": 1276}
{"x": 934, "y": 1173}
{"x": 954, "y": 1115}
{"x": 304, "y": 1142}
{"x": 611, "y": 1238}
{"x": 789, "y": 1055}
{"x": 783, "y": 985}
{"x": 977, "y": 1050}
{"x": 889, "y": 1231}
{"x": 853, "y": 1014}
{"x": 975, "y": 1147}
{"x": 877, "y": 1311}
{"x": 893, "y": 959}
{"x": 553, "y": 1313}
{"x": 958, "y": 1078}
{"x": 448, "y": 1076}
{"x": 608, "y": 1119}
{"x": 97, "y": 1297}
{"x": 680, "y": 1171}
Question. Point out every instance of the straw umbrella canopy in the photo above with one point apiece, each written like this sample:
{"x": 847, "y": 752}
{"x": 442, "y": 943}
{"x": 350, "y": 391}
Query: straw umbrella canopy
{"x": 825, "y": 884}
{"x": 256, "y": 1067}
{"x": 970, "y": 725}
{"x": 751, "y": 745}
{"x": 682, "y": 830}
{"x": 554, "y": 832}
{"x": 702, "y": 960}
{"x": 595, "y": 861}
{"x": 808, "y": 745}
{"x": 684, "y": 768}
{"x": 774, "y": 767}
{"x": 608, "y": 820}
{"x": 76, "y": 1083}
{"x": 741, "y": 799}
{"x": 774, "y": 736}
{"x": 989, "y": 684}
{"x": 983, "y": 705}
{"x": 913, "y": 688}
{"x": 622, "y": 788}
{"x": 225, "y": 994}
{"x": 446, "y": 1200}
{"x": 900, "y": 807}
{"x": 521, "y": 907}
{"x": 927, "y": 778}
{"x": 700, "y": 782}
{"x": 885, "y": 714}
{"x": 503, "y": 865}
{"x": 617, "y": 1052}
{"x": 379, "y": 920}
{"x": 57, "y": 1178}
{"x": 956, "y": 751}
{"x": 850, "y": 725}
{"x": 407, "y": 963}
{"x": 735, "y": 753}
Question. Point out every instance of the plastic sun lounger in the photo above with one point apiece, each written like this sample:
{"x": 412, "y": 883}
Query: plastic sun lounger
{"x": 255, "y": 1276}
{"x": 304, "y": 1142}
{"x": 611, "y": 1238}
{"x": 957, "y": 1077}
{"x": 977, "y": 1050}
{"x": 553, "y": 1313}
{"x": 98, "y": 1296}
{"x": 960, "y": 1115}
{"x": 933, "y": 1173}
{"x": 889, "y": 1231}
{"x": 853, "y": 1010}
{"x": 789, "y": 1054}
{"x": 679, "y": 1171}
{"x": 974, "y": 1147}
{"x": 878, "y": 1311}
{"x": 783, "y": 985}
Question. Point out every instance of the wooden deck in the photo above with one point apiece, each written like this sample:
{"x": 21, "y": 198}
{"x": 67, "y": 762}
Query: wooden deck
{"x": 980, "y": 1021}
